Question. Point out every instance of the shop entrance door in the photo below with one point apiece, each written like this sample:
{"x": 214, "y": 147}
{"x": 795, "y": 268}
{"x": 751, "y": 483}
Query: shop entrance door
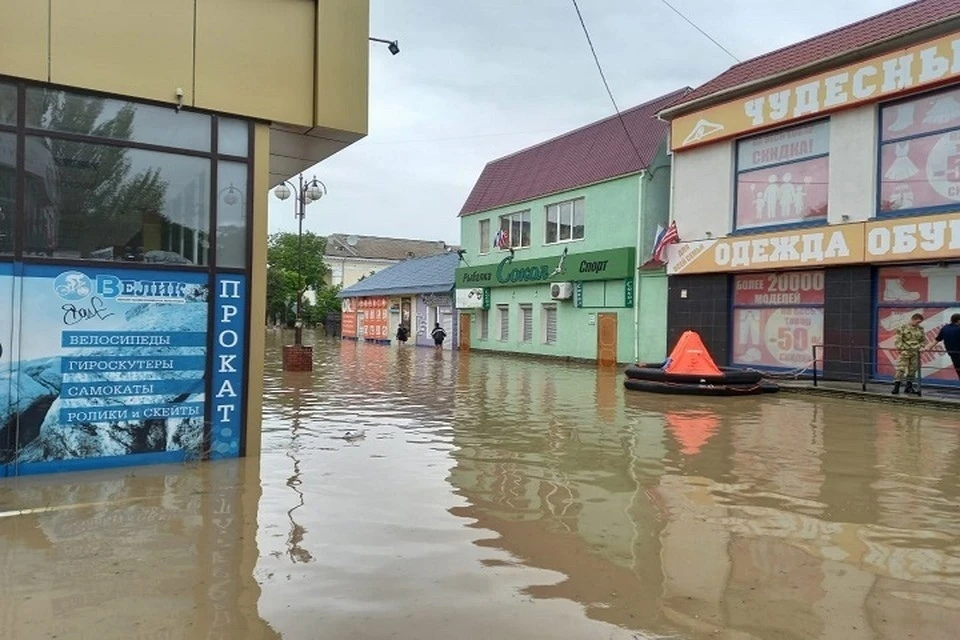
{"x": 465, "y": 331}
{"x": 607, "y": 339}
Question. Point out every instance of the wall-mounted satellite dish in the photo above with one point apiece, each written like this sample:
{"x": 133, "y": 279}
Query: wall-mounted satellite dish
{"x": 352, "y": 240}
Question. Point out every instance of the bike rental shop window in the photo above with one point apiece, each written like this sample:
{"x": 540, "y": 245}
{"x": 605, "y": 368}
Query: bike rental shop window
{"x": 777, "y": 319}
{"x": 902, "y": 291}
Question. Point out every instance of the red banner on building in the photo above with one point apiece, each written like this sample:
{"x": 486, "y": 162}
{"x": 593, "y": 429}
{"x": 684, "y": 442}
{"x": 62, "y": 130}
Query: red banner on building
{"x": 776, "y": 337}
{"x": 778, "y": 289}
{"x": 782, "y": 194}
{"x": 935, "y": 364}
{"x": 375, "y": 318}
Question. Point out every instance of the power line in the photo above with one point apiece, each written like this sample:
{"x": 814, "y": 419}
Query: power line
{"x": 695, "y": 26}
{"x": 606, "y": 84}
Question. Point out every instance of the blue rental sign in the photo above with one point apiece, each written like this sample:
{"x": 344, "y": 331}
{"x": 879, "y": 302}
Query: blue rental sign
{"x": 230, "y": 338}
{"x": 101, "y": 365}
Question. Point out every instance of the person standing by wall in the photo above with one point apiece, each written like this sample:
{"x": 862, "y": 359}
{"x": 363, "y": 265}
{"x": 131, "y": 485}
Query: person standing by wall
{"x": 402, "y": 334}
{"x": 910, "y": 339}
{"x": 949, "y": 335}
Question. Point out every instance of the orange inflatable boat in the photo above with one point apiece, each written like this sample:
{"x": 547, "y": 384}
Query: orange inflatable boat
{"x": 691, "y": 370}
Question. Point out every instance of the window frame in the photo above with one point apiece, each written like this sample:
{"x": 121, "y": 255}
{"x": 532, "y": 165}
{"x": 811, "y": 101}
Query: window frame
{"x": 526, "y": 323}
{"x": 525, "y": 213}
{"x": 881, "y": 144}
{"x": 546, "y": 310}
{"x": 573, "y": 202}
{"x": 212, "y": 155}
{"x": 483, "y": 319}
{"x": 484, "y": 247}
{"x": 735, "y": 227}
{"x": 503, "y": 322}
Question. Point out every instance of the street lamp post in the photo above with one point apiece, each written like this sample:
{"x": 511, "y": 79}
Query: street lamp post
{"x": 304, "y": 194}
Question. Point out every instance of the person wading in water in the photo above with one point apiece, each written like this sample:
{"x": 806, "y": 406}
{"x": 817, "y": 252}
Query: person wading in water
{"x": 402, "y": 334}
{"x": 438, "y": 335}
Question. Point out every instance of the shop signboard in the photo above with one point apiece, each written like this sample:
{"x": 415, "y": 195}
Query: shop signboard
{"x": 473, "y": 298}
{"x": 908, "y": 239}
{"x": 110, "y": 363}
{"x": 931, "y": 290}
{"x": 613, "y": 264}
{"x": 908, "y": 69}
{"x": 783, "y": 289}
{"x": 833, "y": 245}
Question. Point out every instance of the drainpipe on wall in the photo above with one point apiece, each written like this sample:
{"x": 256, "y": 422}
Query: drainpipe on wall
{"x": 636, "y": 270}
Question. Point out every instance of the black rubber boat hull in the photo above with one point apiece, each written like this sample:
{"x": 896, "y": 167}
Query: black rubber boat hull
{"x": 674, "y": 388}
{"x": 653, "y": 373}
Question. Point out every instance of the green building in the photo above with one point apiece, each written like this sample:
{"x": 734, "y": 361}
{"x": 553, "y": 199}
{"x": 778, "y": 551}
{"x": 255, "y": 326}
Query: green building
{"x": 556, "y": 240}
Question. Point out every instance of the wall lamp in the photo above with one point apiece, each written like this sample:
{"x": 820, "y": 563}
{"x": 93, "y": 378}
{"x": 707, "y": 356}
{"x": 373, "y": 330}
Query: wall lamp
{"x": 393, "y": 46}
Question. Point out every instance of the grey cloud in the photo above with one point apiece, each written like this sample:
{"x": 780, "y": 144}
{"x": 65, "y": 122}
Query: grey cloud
{"x": 476, "y": 80}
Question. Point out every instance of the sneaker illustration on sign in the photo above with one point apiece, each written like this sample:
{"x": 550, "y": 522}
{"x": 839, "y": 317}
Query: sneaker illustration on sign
{"x": 701, "y": 130}
{"x": 752, "y": 355}
{"x": 893, "y": 291}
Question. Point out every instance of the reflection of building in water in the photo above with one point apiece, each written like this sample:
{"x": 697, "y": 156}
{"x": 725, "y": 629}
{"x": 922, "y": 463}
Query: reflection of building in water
{"x": 169, "y": 552}
{"x": 777, "y": 523}
{"x": 776, "y": 552}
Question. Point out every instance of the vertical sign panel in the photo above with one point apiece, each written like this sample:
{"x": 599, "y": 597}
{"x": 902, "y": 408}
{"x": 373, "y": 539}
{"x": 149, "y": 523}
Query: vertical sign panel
{"x": 230, "y": 337}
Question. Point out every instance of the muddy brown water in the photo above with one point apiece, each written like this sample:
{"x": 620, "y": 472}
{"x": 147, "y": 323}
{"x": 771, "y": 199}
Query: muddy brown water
{"x": 492, "y": 497}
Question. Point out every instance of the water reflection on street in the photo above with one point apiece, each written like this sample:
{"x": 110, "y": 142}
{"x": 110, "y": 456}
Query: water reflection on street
{"x": 413, "y": 494}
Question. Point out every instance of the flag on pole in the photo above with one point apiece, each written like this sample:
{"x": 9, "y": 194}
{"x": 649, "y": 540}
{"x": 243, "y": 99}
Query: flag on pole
{"x": 502, "y": 239}
{"x": 665, "y": 238}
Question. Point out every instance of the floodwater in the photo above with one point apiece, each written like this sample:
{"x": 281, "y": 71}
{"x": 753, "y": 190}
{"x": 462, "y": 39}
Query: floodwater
{"x": 492, "y": 497}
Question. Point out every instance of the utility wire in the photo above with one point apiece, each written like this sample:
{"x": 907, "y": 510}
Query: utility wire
{"x": 704, "y": 33}
{"x": 606, "y": 84}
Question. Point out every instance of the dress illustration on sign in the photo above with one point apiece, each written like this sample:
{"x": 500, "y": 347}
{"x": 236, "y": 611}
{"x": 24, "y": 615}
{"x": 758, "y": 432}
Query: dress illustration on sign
{"x": 109, "y": 363}
{"x": 924, "y": 172}
{"x": 903, "y": 167}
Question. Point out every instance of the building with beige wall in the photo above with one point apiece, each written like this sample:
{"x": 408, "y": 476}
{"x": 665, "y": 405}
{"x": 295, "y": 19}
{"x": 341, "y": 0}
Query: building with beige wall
{"x": 815, "y": 191}
{"x": 138, "y": 142}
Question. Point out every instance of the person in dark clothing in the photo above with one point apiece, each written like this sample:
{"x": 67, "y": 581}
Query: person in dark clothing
{"x": 950, "y": 337}
{"x": 438, "y": 335}
{"x": 402, "y": 334}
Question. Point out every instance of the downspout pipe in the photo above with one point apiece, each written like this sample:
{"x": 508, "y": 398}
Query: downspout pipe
{"x": 636, "y": 270}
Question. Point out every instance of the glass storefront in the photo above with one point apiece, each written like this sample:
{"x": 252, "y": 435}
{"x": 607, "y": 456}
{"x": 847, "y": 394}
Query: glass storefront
{"x": 123, "y": 274}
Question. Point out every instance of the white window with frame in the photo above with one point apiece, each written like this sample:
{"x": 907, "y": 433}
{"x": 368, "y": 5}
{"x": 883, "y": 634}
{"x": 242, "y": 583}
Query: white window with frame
{"x": 504, "y": 312}
{"x": 565, "y": 221}
{"x": 484, "y": 237}
{"x": 483, "y": 317}
{"x": 526, "y": 323}
{"x": 549, "y": 317}
{"x": 515, "y": 228}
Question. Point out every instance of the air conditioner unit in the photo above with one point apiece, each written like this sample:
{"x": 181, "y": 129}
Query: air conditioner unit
{"x": 561, "y": 290}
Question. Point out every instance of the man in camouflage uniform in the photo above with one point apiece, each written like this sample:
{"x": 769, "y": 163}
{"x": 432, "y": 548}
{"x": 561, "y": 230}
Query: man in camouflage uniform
{"x": 910, "y": 339}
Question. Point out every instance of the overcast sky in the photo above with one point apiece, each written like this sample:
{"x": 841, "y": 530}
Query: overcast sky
{"x": 479, "y": 79}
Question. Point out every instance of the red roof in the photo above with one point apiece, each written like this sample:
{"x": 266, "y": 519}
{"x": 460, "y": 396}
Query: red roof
{"x": 874, "y": 30}
{"x": 591, "y": 154}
